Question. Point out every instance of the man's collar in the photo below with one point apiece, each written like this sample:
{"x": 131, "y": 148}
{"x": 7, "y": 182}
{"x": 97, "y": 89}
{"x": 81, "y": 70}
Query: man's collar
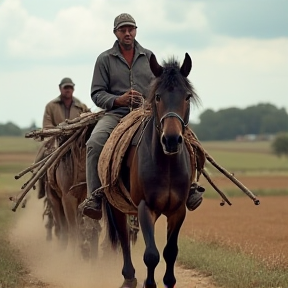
{"x": 116, "y": 49}
{"x": 75, "y": 101}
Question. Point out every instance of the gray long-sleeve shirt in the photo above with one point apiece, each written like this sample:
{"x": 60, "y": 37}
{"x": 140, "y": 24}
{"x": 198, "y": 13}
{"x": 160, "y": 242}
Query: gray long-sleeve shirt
{"x": 113, "y": 77}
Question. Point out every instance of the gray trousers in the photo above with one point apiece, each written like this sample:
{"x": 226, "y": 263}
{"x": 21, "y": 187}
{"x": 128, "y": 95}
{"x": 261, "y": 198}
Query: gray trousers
{"x": 94, "y": 146}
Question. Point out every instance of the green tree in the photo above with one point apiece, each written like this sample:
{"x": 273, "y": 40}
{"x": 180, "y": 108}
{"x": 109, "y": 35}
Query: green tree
{"x": 227, "y": 124}
{"x": 10, "y": 129}
{"x": 280, "y": 144}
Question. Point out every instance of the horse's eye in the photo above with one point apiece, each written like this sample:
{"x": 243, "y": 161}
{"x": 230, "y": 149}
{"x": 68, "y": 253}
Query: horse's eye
{"x": 157, "y": 97}
{"x": 189, "y": 95}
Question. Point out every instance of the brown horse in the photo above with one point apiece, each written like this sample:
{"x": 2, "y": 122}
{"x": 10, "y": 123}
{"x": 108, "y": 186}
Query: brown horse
{"x": 62, "y": 202}
{"x": 160, "y": 172}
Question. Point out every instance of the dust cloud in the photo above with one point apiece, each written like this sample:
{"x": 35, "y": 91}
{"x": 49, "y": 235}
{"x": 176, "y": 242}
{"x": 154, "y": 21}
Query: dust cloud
{"x": 64, "y": 268}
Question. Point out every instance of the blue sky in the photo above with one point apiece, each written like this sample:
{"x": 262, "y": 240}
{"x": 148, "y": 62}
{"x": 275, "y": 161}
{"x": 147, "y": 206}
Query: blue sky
{"x": 239, "y": 49}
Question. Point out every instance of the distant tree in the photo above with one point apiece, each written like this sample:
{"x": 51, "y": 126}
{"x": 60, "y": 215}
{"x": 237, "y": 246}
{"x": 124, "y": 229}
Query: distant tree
{"x": 227, "y": 124}
{"x": 10, "y": 129}
{"x": 280, "y": 145}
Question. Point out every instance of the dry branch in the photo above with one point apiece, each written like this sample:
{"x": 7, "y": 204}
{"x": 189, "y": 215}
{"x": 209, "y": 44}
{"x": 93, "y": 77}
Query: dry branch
{"x": 30, "y": 168}
{"x": 229, "y": 175}
{"x": 66, "y": 129}
{"x": 56, "y": 155}
{"x": 206, "y": 175}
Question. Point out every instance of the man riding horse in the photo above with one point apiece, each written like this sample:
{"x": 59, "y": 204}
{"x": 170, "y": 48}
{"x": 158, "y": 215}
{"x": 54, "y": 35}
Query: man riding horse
{"x": 121, "y": 78}
{"x": 65, "y": 106}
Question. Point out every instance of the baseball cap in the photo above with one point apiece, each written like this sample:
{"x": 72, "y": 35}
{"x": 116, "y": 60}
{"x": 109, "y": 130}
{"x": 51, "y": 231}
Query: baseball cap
{"x": 66, "y": 82}
{"x": 124, "y": 19}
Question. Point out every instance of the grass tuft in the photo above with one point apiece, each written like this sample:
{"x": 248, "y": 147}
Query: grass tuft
{"x": 229, "y": 267}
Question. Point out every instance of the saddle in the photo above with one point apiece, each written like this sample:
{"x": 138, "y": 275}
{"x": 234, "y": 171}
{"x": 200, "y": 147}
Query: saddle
{"x": 128, "y": 132}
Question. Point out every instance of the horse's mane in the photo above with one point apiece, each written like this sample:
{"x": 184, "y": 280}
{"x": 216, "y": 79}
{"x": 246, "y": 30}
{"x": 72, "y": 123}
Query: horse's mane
{"x": 171, "y": 77}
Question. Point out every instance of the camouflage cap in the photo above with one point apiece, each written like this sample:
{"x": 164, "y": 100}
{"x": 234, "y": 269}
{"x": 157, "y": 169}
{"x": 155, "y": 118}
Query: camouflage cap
{"x": 124, "y": 19}
{"x": 66, "y": 82}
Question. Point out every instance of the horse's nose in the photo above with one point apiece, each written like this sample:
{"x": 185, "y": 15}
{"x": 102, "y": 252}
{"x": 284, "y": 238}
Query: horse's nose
{"x": 172, "y": 142}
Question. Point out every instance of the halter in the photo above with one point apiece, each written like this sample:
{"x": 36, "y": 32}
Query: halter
{"x": 173, "y": 114}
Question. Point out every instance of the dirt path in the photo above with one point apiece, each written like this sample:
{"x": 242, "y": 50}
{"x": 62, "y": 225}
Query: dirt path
{"x": 51, "y": 267}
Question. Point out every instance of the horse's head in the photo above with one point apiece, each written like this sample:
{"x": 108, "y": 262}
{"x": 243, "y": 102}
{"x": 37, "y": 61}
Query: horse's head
{"x": 170, "y": 97}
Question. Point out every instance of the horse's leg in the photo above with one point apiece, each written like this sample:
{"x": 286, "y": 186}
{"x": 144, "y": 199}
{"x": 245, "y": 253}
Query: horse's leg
{"x": 128, "y": 270}
{"x": 147, "y": 221}
{"x": 50, "y": 221}
{"x": 170, "y": 252}
{"x": 58, "y": 215}
{"x": 70, "y": 206}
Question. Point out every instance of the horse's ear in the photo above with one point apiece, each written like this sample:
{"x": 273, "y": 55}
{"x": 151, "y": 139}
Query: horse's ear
{"x": 156, "y": 69}
{"x": 186, "y": 66}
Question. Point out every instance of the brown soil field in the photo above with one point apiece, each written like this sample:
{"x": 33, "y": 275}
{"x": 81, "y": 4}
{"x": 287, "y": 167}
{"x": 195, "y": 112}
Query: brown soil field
{"x": 17, "y": 157}
{"x": 264, "y": 181}
{"x": 260, "y": 231}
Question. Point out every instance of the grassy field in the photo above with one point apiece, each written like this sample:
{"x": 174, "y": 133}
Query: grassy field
{"x": 18, "y": 145}
{"x": 11, "y": 267}
{"x": 234, "y": 269}
{"x": 253, "y": 164}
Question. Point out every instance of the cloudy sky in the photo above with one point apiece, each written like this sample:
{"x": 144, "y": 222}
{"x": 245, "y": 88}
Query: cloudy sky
{"x": 239, "y": 49}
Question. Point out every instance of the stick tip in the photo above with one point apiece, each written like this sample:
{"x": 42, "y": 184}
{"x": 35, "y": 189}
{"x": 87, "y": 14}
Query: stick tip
{"x": 256, "y": 202}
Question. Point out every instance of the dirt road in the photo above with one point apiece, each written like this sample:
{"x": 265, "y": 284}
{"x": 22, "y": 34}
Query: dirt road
{"x": 54, "y": 268}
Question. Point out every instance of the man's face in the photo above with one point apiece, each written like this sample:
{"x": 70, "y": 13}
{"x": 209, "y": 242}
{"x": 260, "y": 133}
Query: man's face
{"x": 67, "y": 91}
{"x": 126, "y": 35}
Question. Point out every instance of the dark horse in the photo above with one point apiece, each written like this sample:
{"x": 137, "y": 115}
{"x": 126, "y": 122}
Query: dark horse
{"x": 160, "y": 172}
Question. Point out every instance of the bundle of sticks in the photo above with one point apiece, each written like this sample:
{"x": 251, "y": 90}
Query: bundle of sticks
{"x": 75, "y": 129}
{"x": 72, "y": 129}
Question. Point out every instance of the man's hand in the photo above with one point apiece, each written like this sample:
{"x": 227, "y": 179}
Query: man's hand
{"x": 131, "y": 98}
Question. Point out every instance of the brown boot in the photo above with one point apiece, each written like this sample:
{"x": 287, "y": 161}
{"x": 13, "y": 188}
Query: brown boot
{"x": 195, "y": 197}
{"x": 93, "y": 207}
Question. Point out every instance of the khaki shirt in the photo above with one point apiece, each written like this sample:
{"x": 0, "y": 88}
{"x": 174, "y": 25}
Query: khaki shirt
{"x": 56, "y": 112}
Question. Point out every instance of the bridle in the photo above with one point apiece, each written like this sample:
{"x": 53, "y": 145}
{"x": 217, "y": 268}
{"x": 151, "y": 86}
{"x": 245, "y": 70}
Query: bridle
{"x": 184, "y": 122}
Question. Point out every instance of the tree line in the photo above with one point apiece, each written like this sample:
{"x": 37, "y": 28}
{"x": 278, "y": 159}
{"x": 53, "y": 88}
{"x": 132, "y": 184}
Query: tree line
{"x": 225, "y": 124}
{"x": 228, "y": 124}
{"x": 11, "y": 129}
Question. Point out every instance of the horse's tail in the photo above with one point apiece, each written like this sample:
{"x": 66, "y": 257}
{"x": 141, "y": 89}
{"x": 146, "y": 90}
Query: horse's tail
{"x": 111, "y": 224}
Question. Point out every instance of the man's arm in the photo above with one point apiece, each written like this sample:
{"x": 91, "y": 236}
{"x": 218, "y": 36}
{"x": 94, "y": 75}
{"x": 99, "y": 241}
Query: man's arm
{"x": 100, "y": 85}
{"x": 47, "y": 118}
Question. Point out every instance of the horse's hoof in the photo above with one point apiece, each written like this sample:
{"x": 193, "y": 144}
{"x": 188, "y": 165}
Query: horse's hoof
{"x": 129, "y": 283}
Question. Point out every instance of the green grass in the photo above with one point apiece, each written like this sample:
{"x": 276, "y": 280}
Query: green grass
{"x": 257, "y": 146}
{"x": 233, "y": 269}
{"x": 245, "y": 157}
{"x": 18, "y": 144}
{"x": 248, "y": 162}
{"x": 14, "y": 168}
{"x": 11, "y": 268}
{"x": 9, "y": 185}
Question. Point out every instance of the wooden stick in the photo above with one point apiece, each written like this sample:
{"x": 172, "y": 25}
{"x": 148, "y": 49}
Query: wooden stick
{"x": 206, "y": 175}
{"x": 31, "y": 168}
{"x": 230, "y": 176}
{"x": 59, "y": 152}
{"x": 65, "y": 129}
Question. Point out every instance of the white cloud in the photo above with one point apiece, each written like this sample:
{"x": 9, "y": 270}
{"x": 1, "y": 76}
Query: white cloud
{"x": 80, "y": 29}
{"x": 227, "y": 71}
